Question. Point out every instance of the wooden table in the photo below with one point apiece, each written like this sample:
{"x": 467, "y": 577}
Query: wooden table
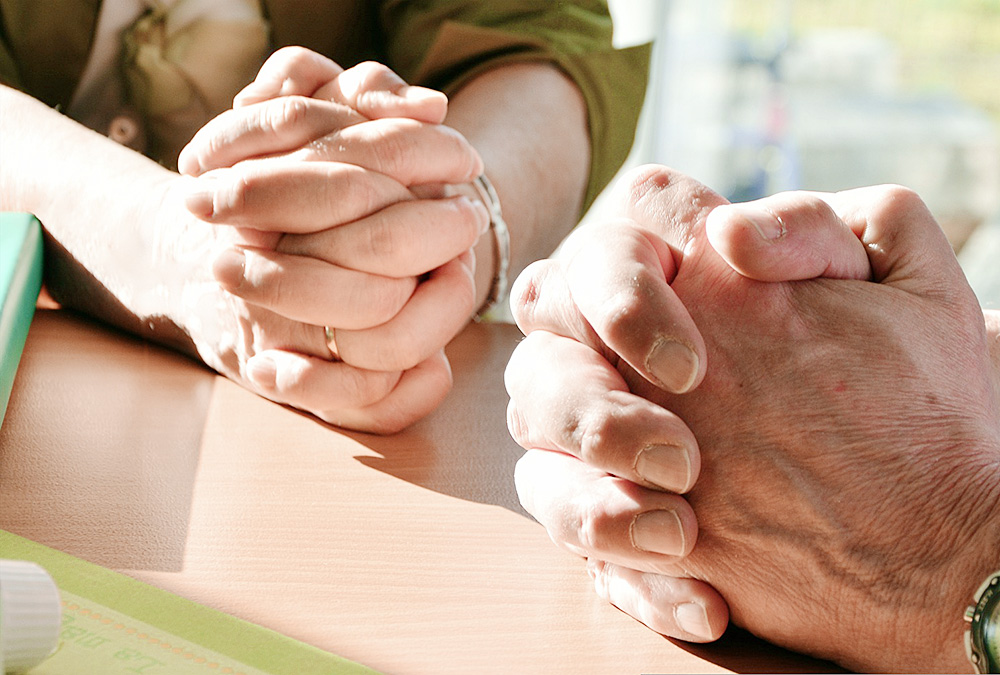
{"x": 409, "y": 553}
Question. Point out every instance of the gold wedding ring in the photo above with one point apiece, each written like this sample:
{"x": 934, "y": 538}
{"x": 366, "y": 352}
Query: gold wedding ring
{"x": 331, "y": 343}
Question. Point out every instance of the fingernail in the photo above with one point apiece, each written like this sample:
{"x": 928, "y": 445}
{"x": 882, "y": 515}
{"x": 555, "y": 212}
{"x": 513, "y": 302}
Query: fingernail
{"x": 667, "y": 466}
{"x": 658, "y": 532}
{"x": 692, "y": 618}
{"x": 262, "y": 371}
{"x": 200, "y": 198}
{"x": 768, "y": 225}
{"x": 420, "y": 94}
{"x": 229, "y": 268}
{"x": 674, "y": 364}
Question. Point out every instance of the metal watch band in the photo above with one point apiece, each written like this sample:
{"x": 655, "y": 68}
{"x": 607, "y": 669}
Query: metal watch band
{"x": 982, "y": 636}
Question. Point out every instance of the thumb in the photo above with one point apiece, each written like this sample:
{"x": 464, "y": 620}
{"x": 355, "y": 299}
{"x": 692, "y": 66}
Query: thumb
{"x": 787, "y": 237}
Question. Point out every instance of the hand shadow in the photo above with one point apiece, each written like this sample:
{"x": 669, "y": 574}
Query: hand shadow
{"x": 463, "y": 449}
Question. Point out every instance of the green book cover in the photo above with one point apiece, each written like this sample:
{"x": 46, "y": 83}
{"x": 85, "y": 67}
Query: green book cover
{"x": 20, "y": 281}
{"x": 113, "y": 624}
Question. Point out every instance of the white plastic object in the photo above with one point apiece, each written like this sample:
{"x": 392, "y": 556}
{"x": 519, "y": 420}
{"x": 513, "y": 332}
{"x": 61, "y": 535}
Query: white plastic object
{"x": 30, "y": 615}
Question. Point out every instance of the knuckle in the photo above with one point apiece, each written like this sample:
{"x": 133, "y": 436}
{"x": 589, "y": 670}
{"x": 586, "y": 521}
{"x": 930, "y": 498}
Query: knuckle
{"x": 622, "y": 315}
{"x": 293, "y": 58}
{"x": 901, "y": 195}
{"x": 814, "y": 208}
{"x": 362, "y": 192}
{"x": 238, "y": 195}
{"x": 526, "y": 293}
{"x": 381, "y": 241}
{"x": 603, "y": 433}
{"x": 593, "y": 526}
{"x": 895, "y": 202}
{"x": 592, "y": 432}
{"x": 517, "y": 425}
{"x": 373, "y": 76}
{"x": 395, "y": 148}
{"x": 284, "y": 113}
{"x": 386, "y": 297}
{"x": 211, "y": 140}
{"x": 364, "y": 387}
{"x": 637, "y": 183}
{"x": 519, "y": 367}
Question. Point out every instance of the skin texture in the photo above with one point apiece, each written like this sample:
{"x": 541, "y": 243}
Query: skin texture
{"x": 848, "y": 433}
{"x": 328, "y": 222}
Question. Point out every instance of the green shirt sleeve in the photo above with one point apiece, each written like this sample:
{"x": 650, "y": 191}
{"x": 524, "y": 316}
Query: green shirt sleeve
{"x": 444, "y": 43}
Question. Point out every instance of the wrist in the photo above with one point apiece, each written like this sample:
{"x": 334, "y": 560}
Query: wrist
{"x": 130, "y": 258}
{"x": 975, "y": 561}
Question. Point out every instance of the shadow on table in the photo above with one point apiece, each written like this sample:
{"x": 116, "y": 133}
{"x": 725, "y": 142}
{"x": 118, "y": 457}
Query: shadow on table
{"x": 472, "y": 457}
{"x": 743, "y": 652}
{"x": 463, "y": 449}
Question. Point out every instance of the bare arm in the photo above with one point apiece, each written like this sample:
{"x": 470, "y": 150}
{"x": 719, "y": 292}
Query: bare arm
{"x": 100, "y": 204}
{"x": 529, "y": 124}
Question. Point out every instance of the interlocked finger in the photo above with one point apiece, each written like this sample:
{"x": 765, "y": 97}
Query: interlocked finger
{"x": 270, "y": 127}
{"x": 312, "y": 291}
{"x": 435, "y": 312}
{"x": 566, "y": 397}
{"x": 682, "y": 608}
{"x": 596, "y": 515}
{"x": 260, "y": 195}
{"x": 405, "y": 239}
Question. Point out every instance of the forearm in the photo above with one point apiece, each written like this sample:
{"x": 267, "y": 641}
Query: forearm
{"x": 97, "y": 201}
{"x": 529, "y": 124}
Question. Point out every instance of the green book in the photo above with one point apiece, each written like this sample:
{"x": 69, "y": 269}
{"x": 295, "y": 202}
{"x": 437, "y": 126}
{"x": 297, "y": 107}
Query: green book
{"x": 20, "y": 281}
{"x": 115, "y": 625}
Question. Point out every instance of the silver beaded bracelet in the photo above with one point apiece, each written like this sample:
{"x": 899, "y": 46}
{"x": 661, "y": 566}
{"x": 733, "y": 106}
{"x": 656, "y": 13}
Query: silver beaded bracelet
{"x": 501, "y": 238}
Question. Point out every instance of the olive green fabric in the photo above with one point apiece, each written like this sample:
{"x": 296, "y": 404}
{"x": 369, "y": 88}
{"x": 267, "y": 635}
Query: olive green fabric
{"x": 442, "y": 44}
{"x": 47, "y": 44}
{"x": 438, "y": 43}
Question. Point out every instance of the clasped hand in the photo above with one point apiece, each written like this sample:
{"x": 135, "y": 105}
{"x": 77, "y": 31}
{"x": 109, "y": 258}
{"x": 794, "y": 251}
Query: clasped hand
{"x": 330, "y": 189}
{"x": 780, "y": 412}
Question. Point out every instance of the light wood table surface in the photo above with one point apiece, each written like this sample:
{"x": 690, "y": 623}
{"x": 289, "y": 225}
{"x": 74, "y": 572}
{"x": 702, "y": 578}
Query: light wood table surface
{"x": 409, "y": 554}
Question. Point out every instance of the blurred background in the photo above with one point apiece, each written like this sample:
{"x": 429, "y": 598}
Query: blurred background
{"x": 754, "y": 97}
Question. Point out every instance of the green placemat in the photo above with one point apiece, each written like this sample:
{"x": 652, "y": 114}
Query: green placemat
{"x": 20, "y": 281}
{"x": 115, "y": 625}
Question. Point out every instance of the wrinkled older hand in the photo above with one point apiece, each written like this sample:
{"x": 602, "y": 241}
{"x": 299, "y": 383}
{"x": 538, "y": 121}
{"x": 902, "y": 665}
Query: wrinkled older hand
{"x": 322, "y": 171}
{"x": 845, "y": 478}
